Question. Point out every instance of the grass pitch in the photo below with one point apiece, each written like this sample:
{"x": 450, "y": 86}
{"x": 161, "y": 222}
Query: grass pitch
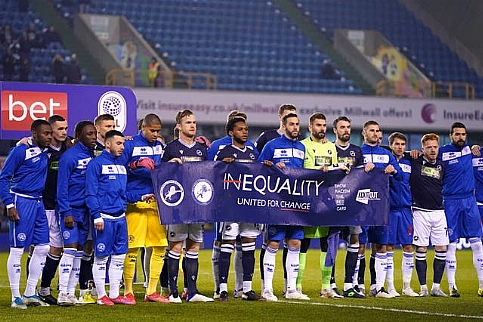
{"x": 466, "y": 308}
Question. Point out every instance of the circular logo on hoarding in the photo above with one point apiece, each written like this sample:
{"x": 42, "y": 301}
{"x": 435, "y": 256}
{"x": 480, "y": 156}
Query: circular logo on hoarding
{"x": 202, "y": 192}
{"x": 112, "y": 103}
{"x": 171, "y": 193}
{"x": 428, "y": 113}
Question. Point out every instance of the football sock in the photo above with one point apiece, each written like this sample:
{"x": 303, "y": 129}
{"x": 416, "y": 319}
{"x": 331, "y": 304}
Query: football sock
{"x": 226, "y": 250}
{"x": 284, "y": 264}
{"x": 407, "y": 268}
{"x": 350, "y": 265}
{"x": 238, "y": 265}
{"x": 438, "y": 266}
{"x": 380, "y": 267}
{"x": 27, "y": 264}
{"x": 74, "y": 273}
{"x": 262, "y": 254}
{"x": 422, "y": 266}
{"x": 99, "y": 274}
{"x": 300, "y": 275}
{"x": 115, "y": 274}
{"x": 215, "y": 254}
{"x": 477, "y": 249}
{"x": 325, "y": 271}
{"x": 191, "y": 271}
{"x": 14, "y": 269}
{"x": 51, "y": 264}
{"x": 372, "y": 269}
{"x": 390, "y": 270}
{"x": 163, "y": 278}
{"x": 269, "y": 267}
{"x": 173, "y": 267}
{"x": 292, "y": 265}
{"x": 362, "y": 269}
{"x": 155, "y": 266}
{"x": 129, "y": 269}
{"x": 148, "y": 254}
{"x": 36, "y": 266}
{"x": 66, "y": 263}
{"x": 248, "y": 261}
{"x": 451, "y": 265}
{"x": 85, "y": 274}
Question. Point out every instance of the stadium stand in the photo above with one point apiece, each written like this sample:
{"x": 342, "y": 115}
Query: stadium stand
{"x": 40, "y": 51}
{"x": 400, "y": 27}
{"x": 248, "y": 45}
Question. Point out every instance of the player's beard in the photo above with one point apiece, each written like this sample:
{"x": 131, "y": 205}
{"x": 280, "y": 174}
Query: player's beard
{"x": 319, "y": 135}
{"x": 460, "y": 143}
{"x": 345, "y": 137}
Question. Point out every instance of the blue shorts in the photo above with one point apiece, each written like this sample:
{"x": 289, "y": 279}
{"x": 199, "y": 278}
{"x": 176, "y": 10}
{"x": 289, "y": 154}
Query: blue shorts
{"x": 401, "y": 227}
{"x": 113, "y": 239}
{"x": 378, "y": 234}
{"x": 480, "y": 209}
{"x": 32, "y": 228}
{"x": 463, "y": 218}
{"x": 77, "y": 234}
{"x": 280, "y": 232}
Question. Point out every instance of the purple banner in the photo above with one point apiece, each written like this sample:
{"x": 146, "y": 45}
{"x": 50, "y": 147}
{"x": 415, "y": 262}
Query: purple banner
{"x": 21, "y": 103}
{"x": 216, "y": 191}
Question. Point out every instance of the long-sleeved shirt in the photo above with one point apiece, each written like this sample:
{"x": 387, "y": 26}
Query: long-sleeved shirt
{"x": 23, "y": 172}
{"x": 283, "y": 149}
{"x": 381, "y": 158}
{"x": 399, "y": 191}
{"x": 106, "y": 191}
{"x": 139, "y": 180}
{"x": 71, "y": 182}
{"x": 459, "y": 180}
{"x": 426, "y": 183}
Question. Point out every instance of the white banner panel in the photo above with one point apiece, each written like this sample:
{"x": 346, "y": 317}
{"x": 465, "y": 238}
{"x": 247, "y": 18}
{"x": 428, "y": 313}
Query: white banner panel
{"x": 211, "y": 107}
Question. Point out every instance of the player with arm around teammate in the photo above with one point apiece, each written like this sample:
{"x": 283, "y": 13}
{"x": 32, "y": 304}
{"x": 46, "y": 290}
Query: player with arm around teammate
{"x": 238, "y": 151}
{"x": 185, "y": 149}
{"x": 22, "y": 181}
{"x": 106, "y": 199}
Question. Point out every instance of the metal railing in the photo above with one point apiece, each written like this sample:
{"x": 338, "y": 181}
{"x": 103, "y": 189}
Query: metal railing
{"x": 450, "y": 90}
{"x": 165, "y": 79}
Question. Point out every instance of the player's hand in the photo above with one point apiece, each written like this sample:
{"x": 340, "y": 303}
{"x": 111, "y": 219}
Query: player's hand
{"x": 69, "y": 142}
{"x": 324, "y": 168}
{"x": 268, "y": 163}
{"x": 475, "y": 149}
{"x": 389, "y": 169}
{"x": 12, "y": 214}
{"x": 148, "y": 197}
{"x": 203, "y": 140}
{"x": 345, "y": 168}
{"x": 177, "y": 160}
{"x": 415, "y": 154}
{"x": 228, "y": 160}
{"x": 280, "y": 165}
{"x": 147, "y": 163}
{"x": 69, "y": 221}
{"x": 24, "y": 141}
{"x": 369, "y": 166}
{"x": 99, "y": 225}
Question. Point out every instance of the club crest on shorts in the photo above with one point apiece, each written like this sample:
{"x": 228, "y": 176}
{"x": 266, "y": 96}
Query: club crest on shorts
{"x": 202, "y": 192}
{"x": 171, "y": 193}
{"x": 21, "y": 237}
{"x": 101, "y": 247}
{"x": 66, "y": 234}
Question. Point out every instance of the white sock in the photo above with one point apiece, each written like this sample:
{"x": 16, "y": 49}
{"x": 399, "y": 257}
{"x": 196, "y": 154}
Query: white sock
{"x": 148, "y": 251}
{"x": 237, "y": 262}
{"x": 99, "y": 274}
{"x": 451, "y": 265}
{"x": 65, "y": 267}
{"x": 477, "y": 249}
{"x": 115, "y": 274}
{"x": 36, "y": 266}
{"x": 292, "y": 265}
{"x": 269, "y": 268}
{"x": 407, "y": 268}
{"x": 74, "y": 274}
{"x": 381, "y": 269}
{"x": 14, "y": 269}
{"x": 390, "y": 271}
{"x": 214, "y": 266}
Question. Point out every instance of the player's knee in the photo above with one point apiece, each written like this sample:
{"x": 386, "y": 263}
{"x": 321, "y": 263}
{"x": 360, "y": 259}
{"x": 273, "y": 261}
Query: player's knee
{"x": 41, "y": 250}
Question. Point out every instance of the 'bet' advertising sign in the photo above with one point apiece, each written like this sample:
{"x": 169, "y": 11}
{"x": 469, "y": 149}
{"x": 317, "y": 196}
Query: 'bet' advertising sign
{"x": 22, "y": 103}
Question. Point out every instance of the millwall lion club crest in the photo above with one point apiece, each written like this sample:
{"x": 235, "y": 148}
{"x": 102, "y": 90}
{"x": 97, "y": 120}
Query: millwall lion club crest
{"x": 202, "y": 192}
{"x": 171, "y": 193}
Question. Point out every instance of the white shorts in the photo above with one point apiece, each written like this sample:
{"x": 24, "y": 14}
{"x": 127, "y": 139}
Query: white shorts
{"x": 55, "y": 236}
{"x": 430, "y": 225}
{"x": 177, "y": 233}
{"x": 230, "y": 230}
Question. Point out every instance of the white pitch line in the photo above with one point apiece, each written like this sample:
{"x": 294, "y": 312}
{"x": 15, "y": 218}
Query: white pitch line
{"x": 376, "y": 308}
